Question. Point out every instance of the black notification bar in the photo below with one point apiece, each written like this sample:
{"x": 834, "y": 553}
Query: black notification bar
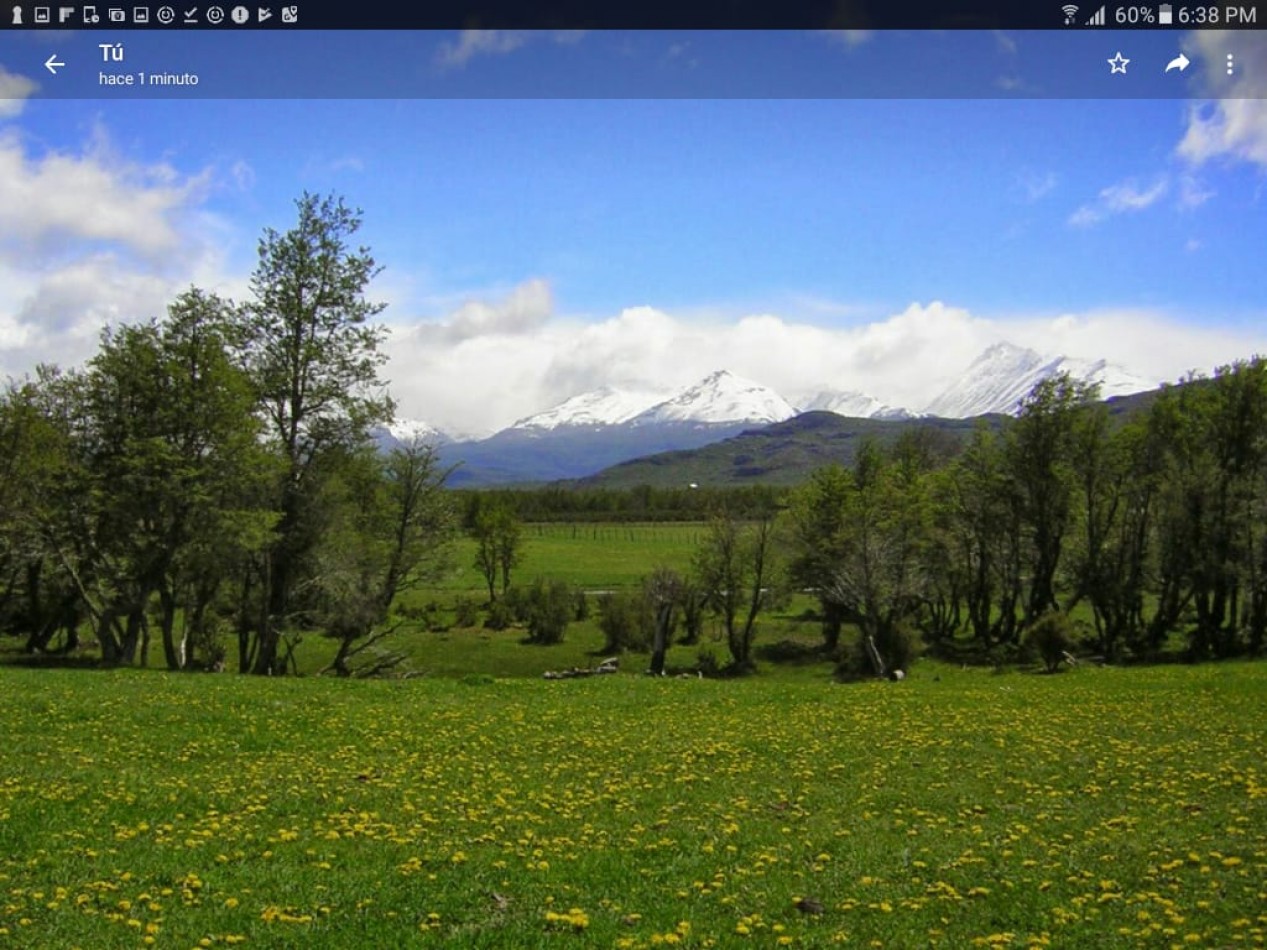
{"x": 843, "y": 15}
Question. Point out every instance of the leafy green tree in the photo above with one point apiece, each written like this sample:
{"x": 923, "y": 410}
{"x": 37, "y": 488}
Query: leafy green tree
{"x": 819, "y": 540}
{"x": 984, "y": 535}
{"x": 1116, "y": 488}
{"x": 39, "y": 507}
{"x": 314, "y": 357}
{"x": 886, "y": 526}
{"x": 393, "y": 524}
{"x": 498, "y": 545}
{"x": 1038, "y": 452}
{"x": 662, "y": 591}
{"x": 735, "y": 566}
{"x": 1213, "y": 498}
{"x": 170, "y": 449}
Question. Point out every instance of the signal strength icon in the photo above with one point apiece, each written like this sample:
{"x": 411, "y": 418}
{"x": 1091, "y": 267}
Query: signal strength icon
{"x": 1097, "y": 18}
{"x": 1071, "y": 12}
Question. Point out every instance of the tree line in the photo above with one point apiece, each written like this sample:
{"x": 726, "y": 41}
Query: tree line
{"x": 209, "y": 475}
{"x": 1146, "y": 528}
{"x": 1066, "y": 529}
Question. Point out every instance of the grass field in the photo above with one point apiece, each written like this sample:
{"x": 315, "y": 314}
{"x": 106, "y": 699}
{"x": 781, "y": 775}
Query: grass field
{"x": 593, "y": 556}
{"x": 1097, "y": 808}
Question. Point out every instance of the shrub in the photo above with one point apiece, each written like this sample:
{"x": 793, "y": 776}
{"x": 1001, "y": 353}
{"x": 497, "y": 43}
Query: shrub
{"x": 499, "y": 616}
{"x": 1052, "y": 636}
{"x": 897, "y": 646}
{"x": 516, "y": 601}
{"x": 548, "y": 608}
{"x": 626, "y": 621}
{"x": 789, "y": 651}
{"x": 706, "y": 662}
{"x": 466, "y": 614}
{"x": 581, "y": 610}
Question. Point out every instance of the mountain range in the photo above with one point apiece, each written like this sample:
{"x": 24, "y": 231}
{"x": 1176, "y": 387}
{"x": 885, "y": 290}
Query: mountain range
{"x": 594, "y": 430}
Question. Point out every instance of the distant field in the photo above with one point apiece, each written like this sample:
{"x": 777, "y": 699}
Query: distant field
{"x": 1099, "y": 808}
{"x": 593, "y": 556}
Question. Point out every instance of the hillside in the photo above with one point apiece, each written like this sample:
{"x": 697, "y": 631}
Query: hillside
{"x": 780, "y": 454}
{"x": 787, "y": 452}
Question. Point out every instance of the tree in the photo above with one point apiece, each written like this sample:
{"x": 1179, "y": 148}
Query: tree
{"x": 164, "y": 444}
{"x": 1038, "y": 452}
{"x": 663, "y": 592}
{"x": 1213, "y": 495}
{"x": 985, "y": 537}
{"x": 878, "y": 576}
{"x": 39, "y": 509}
{"x": 1115, "y": 473}
{"x": 817, "y": 517}
{"x": 394, "y": 524}
{"x": 734, "y": 565}
{"x": 498, "y": 545}
{"x": 314, "y": 358}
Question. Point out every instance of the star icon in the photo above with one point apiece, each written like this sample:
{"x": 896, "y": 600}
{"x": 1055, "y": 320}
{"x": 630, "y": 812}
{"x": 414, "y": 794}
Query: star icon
{"x": 1118, "y": 64}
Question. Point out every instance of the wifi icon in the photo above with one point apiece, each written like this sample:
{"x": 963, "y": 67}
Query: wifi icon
{"x": 1071, "y": 14}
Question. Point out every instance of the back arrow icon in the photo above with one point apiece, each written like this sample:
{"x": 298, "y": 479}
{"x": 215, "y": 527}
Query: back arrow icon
{"x": 1180, "y": 63}
{"x": 52, "y": 63}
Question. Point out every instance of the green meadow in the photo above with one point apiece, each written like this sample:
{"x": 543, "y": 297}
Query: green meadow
{"x": 591, "y": 556}
{"x": 1095, "y": 808}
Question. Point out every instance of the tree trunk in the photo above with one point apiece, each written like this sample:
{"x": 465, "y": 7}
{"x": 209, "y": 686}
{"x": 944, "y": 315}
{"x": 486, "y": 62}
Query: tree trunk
{"x": 833, "y": 620}
{"x": 107, "y": 638}
{"x": 660, "y": 645}
{"x": 131, "y": 636}
{"x": 268, "y": 635}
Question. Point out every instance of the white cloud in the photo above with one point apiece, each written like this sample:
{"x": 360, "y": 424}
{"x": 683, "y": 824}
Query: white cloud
{"x": 481, "y": 381}
{"x": 473, "y": 43}
{"x": 89, "y": 238}
{"x": 94, "y": 196}
{"x": 1233, "y": 124}
{"x": 1127, "y": 196}
{"x": 14, "y": 91}
{"x": 525, "y": 308}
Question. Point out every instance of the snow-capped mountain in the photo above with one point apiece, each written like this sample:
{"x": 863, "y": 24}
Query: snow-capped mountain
{"x": 406, "y": 430}
{"x": 721, "y": 398}
{"x": 402, "y": 432}
{"x": 607, "y": 406}
{"x": 597, "y": 429}
{"x": 853, "y": 404}
{"x": 1004, "y": 374}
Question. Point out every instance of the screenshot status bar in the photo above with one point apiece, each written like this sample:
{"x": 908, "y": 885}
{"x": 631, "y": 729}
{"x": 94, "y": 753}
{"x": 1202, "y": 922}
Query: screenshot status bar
{"x": 623, "y": 14}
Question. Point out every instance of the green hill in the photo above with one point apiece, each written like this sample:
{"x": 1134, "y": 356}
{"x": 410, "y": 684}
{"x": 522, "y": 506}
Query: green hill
{"x": 787, "y": 452}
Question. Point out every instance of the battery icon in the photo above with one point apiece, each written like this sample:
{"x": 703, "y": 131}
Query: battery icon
{"x": 1163, "y": 15}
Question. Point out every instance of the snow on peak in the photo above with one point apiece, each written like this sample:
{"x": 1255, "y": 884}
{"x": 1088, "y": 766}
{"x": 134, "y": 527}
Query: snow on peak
{"x": 1004, "y": 374}
{"x": 406, "y": 430}
{"x": 853, "y": 404}
{"x": 718, "y": 399}
{"x": 604, "y": 406}
{"x": 402, "y": 432}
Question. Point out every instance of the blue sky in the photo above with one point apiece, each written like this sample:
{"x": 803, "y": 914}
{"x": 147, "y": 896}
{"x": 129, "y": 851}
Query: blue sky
{"x": 536, "y": 247}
